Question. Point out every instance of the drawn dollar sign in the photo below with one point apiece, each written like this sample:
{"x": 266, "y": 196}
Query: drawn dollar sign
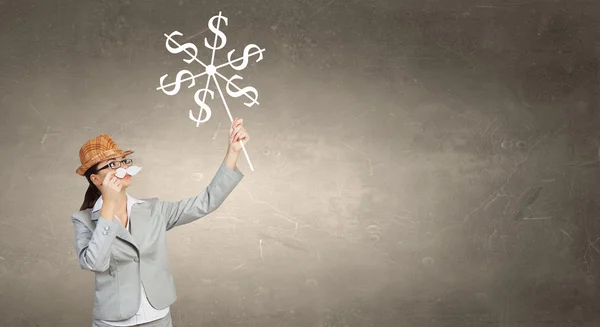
{"x": 178, "y": 81}
{"x": 244, "y": 91}
{"x": 246, "y": 56}
{"x": 218, "y": 33}
{"x": 203, "y": 106}
{"x": 181, "y": 48}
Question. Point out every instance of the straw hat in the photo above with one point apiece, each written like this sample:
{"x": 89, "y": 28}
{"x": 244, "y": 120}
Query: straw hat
{"x": 99, "y": 148}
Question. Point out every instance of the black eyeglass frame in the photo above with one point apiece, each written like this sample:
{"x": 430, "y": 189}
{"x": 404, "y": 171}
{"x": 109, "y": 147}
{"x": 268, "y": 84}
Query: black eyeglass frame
{"x": 127, "y": 161}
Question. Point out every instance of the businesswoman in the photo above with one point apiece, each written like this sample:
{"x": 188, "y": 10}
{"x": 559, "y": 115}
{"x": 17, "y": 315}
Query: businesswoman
{"x": 122, "y": 239}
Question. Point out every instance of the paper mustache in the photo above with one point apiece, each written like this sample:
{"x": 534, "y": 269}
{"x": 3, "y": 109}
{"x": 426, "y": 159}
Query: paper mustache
{"x": 130, "y": 170}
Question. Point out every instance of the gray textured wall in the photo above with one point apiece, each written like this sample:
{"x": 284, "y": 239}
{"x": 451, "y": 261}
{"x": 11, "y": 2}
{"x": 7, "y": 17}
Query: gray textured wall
{"x": 418, "y": 163}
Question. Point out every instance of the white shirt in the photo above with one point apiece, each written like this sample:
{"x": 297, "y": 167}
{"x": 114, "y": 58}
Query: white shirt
{"x": 146, "y": 312}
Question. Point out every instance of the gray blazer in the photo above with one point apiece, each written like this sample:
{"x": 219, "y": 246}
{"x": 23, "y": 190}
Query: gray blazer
{"x": 121, "y": 260}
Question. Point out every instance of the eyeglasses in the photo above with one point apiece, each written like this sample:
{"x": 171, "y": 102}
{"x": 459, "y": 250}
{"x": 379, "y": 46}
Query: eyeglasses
{"x": 116, "y": 164}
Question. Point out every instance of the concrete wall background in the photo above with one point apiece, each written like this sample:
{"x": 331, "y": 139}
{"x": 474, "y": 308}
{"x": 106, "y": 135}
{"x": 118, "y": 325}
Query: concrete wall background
{"x": 418, "y": 163}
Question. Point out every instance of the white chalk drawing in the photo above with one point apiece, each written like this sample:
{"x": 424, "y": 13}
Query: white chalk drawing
{"x": 132, "y": 170}
{"x": 211, "y": 72}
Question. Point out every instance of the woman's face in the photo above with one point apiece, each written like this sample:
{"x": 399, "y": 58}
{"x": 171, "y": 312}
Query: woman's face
{"x": 105, "y": 167}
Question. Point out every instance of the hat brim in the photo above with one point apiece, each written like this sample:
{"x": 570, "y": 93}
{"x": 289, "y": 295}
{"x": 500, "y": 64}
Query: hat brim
{"x": 102, "y": 156}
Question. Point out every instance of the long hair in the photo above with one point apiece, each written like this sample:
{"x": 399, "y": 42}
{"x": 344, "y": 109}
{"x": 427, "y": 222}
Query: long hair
{"x": 93, "y": 193}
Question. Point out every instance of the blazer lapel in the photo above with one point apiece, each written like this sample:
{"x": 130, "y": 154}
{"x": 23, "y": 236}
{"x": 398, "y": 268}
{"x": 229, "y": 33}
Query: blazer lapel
{"x": 140, "y": 224}
{"x": 95, "y": 215}
{"x": 122, "y": 233}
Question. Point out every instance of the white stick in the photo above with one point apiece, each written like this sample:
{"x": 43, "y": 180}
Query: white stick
{"x": 231, "y": 119}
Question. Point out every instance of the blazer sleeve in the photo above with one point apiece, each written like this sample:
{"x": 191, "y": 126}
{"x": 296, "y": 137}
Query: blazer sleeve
{"x": 185, "y": 211}
{"x": 93, "y": 248}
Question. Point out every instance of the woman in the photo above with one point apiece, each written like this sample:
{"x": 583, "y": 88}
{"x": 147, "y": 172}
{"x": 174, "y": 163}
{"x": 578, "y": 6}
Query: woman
{"x": 122, "y": 239}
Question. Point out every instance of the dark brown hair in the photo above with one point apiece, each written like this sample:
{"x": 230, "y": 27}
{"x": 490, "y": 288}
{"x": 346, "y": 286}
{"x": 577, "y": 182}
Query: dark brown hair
{"x": 93, "y": 193}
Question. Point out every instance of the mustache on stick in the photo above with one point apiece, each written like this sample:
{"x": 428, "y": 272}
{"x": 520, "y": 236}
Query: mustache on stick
{"x": 130, "y": 170}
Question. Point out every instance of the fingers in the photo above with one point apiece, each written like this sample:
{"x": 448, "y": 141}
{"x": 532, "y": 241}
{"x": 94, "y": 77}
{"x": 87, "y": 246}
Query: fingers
{"x": 237, "y": 132}
{"x": 114, "y": 182}
{"x": 238, "y": 135}
{"x": 242, "y": 136}
{"x": 237, "y": 122}
{"x": 111, "y": 181}
{"x": 236, "y": 126}
{"x": 231, "y": 127}
{"x": 107, "y": 178}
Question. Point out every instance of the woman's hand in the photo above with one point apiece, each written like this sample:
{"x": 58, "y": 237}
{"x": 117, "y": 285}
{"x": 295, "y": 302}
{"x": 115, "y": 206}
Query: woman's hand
{"x": 237, "y": 133}
{"x": 110, "y": 188}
